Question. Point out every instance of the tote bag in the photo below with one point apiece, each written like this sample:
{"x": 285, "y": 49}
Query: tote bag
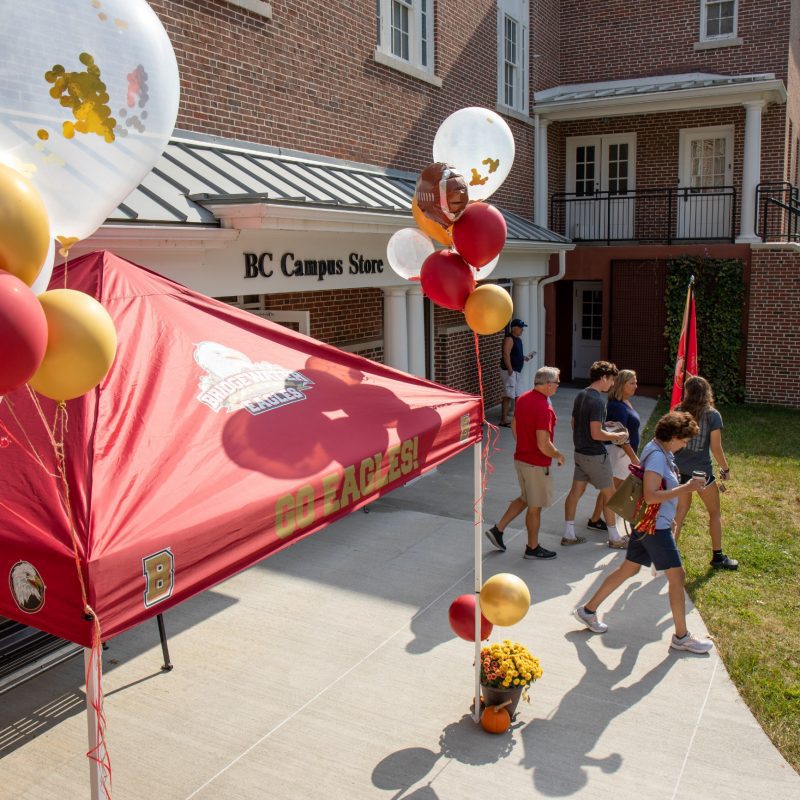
{"x": 628, "y": 501}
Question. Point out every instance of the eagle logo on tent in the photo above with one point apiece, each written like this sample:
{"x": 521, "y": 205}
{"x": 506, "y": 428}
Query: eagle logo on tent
{"x": 231, "y": 381}
{"x": 27, "y": 587}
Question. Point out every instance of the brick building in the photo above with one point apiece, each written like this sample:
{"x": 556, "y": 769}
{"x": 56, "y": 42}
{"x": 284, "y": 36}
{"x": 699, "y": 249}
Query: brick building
{"x": 666, "y": 129}
{"x": 643, "y": 132}
{"x": 301, "y": 131}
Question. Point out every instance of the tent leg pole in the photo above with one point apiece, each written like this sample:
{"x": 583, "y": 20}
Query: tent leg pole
{"x": 162, "y": 634}
{"x": 477, "y": 523}
{"x": 96, "y": 777}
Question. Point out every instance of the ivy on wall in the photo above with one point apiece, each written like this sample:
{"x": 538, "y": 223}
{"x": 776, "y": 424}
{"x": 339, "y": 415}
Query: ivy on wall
{"x": 719, "y": 302}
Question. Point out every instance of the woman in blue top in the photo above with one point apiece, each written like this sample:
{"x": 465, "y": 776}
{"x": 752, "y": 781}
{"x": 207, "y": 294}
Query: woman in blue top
{"x": 661, "y": 486}
{"x": 620, "y": 409}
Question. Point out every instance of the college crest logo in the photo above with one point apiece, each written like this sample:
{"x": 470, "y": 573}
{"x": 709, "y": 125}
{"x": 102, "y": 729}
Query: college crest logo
{"x": 232, "y": 381}
{"x": 27, "y": 587}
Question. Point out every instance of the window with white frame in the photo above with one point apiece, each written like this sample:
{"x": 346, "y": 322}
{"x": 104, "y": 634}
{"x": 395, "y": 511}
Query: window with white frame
{"x": 718, "y": 19}
{"x": 512, "y": 54}
{"x": 405, "y": 32}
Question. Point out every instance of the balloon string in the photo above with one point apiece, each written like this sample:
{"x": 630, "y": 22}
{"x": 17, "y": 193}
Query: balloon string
{"x": 32, "y": 453}
{"x": 94, "y": 669}
{"x": 99, "y": 754}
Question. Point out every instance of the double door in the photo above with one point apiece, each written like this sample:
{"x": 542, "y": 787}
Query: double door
{"x": 601, "y": 176}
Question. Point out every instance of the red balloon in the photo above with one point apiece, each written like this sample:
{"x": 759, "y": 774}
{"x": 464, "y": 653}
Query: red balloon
{"x": 447, "y": 279}
{"x": 462, "y": 618}
{"x": 23, "y": 332}
{"x": 479, "y": 234}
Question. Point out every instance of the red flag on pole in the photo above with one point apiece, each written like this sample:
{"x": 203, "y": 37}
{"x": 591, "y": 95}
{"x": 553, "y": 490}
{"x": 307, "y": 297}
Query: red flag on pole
{"x": 686, "y": 363}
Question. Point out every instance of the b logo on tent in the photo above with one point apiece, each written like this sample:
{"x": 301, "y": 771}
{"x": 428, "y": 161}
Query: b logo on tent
{"x": 159, "y": 575}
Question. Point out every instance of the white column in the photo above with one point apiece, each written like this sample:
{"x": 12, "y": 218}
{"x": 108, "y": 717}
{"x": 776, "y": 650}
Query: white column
{"x": 520, "y": 294}
{"x": 395, "y": 327}
{"x": 416, "y": 330}
{"x": 751, "y": 171}
{"x": 540, "y": 176}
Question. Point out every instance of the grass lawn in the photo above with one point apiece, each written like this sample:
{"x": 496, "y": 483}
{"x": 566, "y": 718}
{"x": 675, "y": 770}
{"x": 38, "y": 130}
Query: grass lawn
{"x": 754, "y": 613}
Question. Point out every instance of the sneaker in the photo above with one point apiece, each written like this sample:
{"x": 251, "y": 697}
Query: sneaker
{"x": 495, "y": 537}
{"x": 589, "y": 620}
{"x": 619, "y": 544}
{"x": 724, "y": 563}
{"x": 565, "y": 541}
{"x": 691, "y": 643}
{"x": 538, "y": 552}
{"x": 597, "y": 525}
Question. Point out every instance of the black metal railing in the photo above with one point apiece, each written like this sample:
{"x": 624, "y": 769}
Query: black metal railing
{"x": 647, "y": 216}
{"x": 778, "y": 212}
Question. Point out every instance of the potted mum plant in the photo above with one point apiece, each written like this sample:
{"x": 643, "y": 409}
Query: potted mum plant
{"x": 507, "y": 670}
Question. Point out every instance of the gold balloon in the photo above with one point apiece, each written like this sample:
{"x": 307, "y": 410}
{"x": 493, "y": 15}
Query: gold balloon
{"x": 488, "y": 309}
{"x": 81, "y": 345}
{"x": 505, "y": 599}
{"x": 427, "y": 225}
{"x": 24, "y": 226}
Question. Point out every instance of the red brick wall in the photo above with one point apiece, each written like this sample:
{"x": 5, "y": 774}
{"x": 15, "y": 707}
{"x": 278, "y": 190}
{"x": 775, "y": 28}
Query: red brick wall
{"x": 545, "y": 44}
{"x": 658, "y": 139}
{"x": 339, "y": 317}
{"x": 454, "y": 354}
{"x": 773, "y": 342}
{"x": 617, "y": 39}
{"x": 307, "y": 80}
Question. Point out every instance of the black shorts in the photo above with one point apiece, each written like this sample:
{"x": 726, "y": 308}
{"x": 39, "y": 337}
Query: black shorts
{"x": 658, "y": 548}
{"x": 711, "y": 478}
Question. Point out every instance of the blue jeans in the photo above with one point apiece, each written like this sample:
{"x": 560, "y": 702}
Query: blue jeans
{"x": 658, "y": 549}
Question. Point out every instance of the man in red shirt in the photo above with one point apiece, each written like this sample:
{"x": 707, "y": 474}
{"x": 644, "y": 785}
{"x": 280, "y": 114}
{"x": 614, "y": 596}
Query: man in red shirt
{"x": 533, "y": 425}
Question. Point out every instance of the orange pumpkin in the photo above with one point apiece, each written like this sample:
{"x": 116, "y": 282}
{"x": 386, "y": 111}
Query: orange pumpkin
{"x": 495, "y": 719}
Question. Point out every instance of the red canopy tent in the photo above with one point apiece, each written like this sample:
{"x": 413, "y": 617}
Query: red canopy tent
{"x": 216, "y": 439}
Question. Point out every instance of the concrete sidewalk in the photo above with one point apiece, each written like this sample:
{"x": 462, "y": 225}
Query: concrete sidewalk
{"x": 330, "y": 671}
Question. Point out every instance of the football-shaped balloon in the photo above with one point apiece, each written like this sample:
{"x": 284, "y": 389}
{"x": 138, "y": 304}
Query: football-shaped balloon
{"x": 479, "y": 234}
{"x": 441, "y": 193}
{"x": 447, "y": 279}
{"x": 462, "y": 618}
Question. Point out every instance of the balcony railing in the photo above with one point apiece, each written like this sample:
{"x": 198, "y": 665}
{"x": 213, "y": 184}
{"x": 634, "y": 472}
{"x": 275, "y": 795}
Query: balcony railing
{"x": 778, "y": 210}
{"x": 647, "y": 216}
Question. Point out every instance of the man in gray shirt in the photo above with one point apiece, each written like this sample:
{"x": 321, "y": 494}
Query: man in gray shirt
{"x": 592, "y": 463}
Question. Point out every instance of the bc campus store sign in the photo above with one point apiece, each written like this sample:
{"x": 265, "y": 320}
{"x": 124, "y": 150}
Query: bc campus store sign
{"x": 265, "y": 265}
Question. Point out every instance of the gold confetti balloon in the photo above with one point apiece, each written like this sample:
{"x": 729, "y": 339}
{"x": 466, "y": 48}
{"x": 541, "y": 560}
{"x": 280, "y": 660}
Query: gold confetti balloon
{"x": 505, "y": 599}
{"x": 85, "y": 117}
{"x": 478, "y": 143}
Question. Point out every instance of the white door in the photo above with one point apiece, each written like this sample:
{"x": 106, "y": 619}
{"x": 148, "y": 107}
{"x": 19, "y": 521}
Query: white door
{"x": 704, "y": 210}
{"x": 587, "y": 325}
{"x": 601, "y": 173}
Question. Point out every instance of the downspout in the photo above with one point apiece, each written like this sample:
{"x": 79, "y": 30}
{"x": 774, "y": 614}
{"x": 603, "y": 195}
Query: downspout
{"x": 562, "y": 269}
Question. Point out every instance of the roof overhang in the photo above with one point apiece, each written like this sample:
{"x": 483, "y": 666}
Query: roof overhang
{"x": 643, "y": 96}
{"x": 144, "y": 237}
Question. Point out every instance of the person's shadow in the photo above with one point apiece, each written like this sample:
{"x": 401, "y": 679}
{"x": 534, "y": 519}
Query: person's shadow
{"x": 557, "y": 749}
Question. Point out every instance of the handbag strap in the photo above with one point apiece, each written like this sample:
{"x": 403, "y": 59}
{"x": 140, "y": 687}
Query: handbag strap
{"x": 638, "y": 470}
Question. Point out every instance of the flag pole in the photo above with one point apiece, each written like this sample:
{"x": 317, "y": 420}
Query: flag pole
{"x": 688, "y": 334}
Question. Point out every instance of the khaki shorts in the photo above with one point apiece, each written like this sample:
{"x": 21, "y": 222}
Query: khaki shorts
{"x": 535, "y": 485}
{"x": 619, "y": 461}
{"x": 596, "y": 470}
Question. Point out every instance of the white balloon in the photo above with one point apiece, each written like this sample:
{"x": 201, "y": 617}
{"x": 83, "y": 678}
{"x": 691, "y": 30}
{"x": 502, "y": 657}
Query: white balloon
{"x": 406, "y": 251}
{"x": 480, "y": 145}
{"x": 483, "y": 273}
{"x": 43, "y": 278}
{"x": 88, "y": 99}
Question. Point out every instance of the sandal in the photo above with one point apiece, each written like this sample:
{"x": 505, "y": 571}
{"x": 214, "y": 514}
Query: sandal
{"x": 620, "y": 544}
